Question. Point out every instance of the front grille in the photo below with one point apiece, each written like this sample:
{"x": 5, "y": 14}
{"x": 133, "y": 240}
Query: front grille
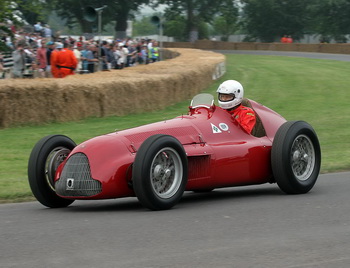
{"x": 76, "y": 178}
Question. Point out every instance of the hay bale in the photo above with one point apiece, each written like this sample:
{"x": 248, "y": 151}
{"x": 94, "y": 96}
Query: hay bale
{"x": 118, "y": 92}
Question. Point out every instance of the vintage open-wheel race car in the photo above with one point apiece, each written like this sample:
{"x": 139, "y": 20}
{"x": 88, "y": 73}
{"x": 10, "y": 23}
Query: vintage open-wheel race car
{"x": 200, "y": 151}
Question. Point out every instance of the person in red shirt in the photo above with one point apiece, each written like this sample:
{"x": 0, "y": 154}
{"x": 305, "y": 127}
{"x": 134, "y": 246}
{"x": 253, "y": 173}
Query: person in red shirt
{"x": 284, "y": 39}
{"x": 42, "y": 58}
{"x": 63, "y": 61}
{"x": 230, "y": 97}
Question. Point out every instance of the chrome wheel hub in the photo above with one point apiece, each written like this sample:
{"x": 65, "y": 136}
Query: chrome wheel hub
{"x": 303, "y": 157}
{"x": 166, "y": 173}
{"x": 54, "y": 159}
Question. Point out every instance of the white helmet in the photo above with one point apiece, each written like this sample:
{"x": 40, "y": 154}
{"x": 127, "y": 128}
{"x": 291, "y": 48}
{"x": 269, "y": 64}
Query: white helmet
{"x": 233, "y": 88}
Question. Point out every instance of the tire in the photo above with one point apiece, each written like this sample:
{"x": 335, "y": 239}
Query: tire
{"x": 296, "y": 157}
{"x": 44, "y": 159}
{"x": 160, "y": 172}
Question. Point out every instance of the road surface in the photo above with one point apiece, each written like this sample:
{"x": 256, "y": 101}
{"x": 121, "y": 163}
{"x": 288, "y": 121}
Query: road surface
{"x": 254, "y": 226}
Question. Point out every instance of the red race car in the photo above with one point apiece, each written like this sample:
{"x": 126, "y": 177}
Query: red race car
{"x": 201, "y": 151}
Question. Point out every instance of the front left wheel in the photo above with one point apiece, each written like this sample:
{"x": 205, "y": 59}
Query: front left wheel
{"x": 160, "y": 172}
{"x": 46, "y": 156}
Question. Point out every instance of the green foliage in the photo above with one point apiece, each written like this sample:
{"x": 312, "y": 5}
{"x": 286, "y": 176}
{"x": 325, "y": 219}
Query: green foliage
{"x": 176, "y": 27}
{"x": 225, "y": 23}
{"x": 18, "y": 10}
{"x": 6, "y": 10}
{"x": 269, "y": 20}
{"x": 195, "y": 12}
{"x": 117, "y": 11}
{"x": 3, "y": 47}
{"x": 32, "y": 10}
{"x": 144, "y": 27}
{"x": 331, "y": 19}
{"x": 203, "y": 30}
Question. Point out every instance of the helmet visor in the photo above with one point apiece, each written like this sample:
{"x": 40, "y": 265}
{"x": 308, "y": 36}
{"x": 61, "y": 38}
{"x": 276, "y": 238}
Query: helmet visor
{"x": 226, "y": 97}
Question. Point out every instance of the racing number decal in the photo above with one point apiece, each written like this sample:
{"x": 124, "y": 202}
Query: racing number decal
{"x": 223, "y": 126}
{"x": 215, "y": 129}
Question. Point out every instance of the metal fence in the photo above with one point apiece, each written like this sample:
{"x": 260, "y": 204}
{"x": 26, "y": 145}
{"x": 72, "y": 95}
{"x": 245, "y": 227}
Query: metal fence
{"x": 8, "y": 64}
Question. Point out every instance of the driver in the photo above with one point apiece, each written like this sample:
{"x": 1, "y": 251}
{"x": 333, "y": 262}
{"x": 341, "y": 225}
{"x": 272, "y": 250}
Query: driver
{"x": 230, "y": 96}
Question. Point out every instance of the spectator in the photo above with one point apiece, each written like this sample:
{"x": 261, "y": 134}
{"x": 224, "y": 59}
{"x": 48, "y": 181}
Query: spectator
{"x": 47, "y": 32}
{"x": 289, "y": 39}
{"x": 2, "y": 66}
{"x": 105, "y": 55}
{"x": 116, "y": 54}
{"x": 112, "y": 50}
{"x": 122, "y": 52}
{"x": 149, "y": 44}
{"x": 19, "y": 61}
{"x": 154, "y": 52}
{"x": 77, "y": 53}
{"x": 110, "y": 56}
{"x": 63, "y": 61}
{"x": 143, "y": 56}
{"x": 1, "y": 62}
{"x": 91, "y": 59}
{"x": 284, "y": 39}
{"x": 37, "y": 27}
{"x": 41, "y": 57}
{"x": 84, "y": 62}
{"x": 131, "y": 58}
{"x": 50, "y": 48}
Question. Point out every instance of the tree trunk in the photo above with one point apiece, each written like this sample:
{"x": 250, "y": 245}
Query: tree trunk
{"x": 192, "y": 23}
{"x": 193, "y": 35}
{"x": 86, "y": 27}
{"x": 121, "y": 23}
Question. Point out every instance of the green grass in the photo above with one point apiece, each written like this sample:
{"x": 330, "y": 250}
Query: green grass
{"x": 316, "y": 91}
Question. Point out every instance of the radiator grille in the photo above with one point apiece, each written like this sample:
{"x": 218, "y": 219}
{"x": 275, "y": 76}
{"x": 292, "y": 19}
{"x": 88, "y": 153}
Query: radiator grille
{"x": 76, "y": 178}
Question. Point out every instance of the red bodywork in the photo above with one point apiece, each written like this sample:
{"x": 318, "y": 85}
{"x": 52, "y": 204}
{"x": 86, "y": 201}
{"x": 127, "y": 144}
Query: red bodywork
{"x": 220, "y": 153}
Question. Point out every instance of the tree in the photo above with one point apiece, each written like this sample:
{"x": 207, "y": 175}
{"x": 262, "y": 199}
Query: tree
{"x": 33, "y": 10}
{"x": 6, "y": 13}
{"x": 330, "y": 19}
{"x": 195, "y": 11}
{"x": 15, "y": 12}
{"x": 117, "y": 10}
{"x": 176, "y": 27}
{"x": 6, "y": 10}
{"x": 268, "y": 20}
{"x": 20, "y": 11}
{"x": 225, "y": 23}
{"x": 144, "y": 27}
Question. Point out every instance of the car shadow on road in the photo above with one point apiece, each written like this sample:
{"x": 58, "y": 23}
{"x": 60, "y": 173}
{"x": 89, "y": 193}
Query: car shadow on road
{"x": 189, "y": 199}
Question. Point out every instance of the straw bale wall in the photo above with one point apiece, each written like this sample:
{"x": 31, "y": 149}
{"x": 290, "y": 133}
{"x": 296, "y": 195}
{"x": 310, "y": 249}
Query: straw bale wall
{"x": 118, "y": 92}
{"x": 218, "y": 45}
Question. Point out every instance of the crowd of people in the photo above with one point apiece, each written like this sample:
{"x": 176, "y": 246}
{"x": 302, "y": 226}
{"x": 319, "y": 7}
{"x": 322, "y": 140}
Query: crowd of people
{"x": 54, "y": 56}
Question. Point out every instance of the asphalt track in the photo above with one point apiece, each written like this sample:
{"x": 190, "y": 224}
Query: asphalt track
{"x": 255, "y": 226}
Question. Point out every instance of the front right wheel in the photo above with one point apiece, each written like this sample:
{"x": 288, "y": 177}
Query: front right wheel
{"x": 295, "y": 157}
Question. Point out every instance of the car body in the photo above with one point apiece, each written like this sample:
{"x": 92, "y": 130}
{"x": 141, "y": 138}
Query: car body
{"x": 200, "y": 151}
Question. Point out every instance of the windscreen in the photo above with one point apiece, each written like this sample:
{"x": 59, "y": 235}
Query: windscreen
{"x": 202, "y": 100}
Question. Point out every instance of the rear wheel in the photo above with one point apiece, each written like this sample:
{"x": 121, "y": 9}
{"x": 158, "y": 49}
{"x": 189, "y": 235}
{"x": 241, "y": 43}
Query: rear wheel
{"x": 160, "y": 172}
{"x": 296, "y": 157}
{"x": 44, "y": 160}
